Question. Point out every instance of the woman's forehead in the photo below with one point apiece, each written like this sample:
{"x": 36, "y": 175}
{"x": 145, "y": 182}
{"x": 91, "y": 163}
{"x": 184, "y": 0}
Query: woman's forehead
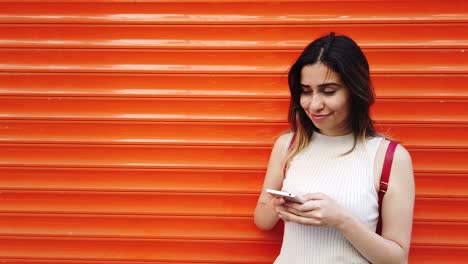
{"x": 318, "y": 73}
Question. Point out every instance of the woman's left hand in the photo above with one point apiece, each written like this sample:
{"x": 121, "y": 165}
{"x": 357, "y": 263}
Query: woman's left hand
{"x": 318, "y": 210}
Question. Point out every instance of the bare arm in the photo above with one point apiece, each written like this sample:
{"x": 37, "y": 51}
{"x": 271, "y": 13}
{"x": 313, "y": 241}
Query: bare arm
{"x": 265, "y": 215}
{"x": 397, "y": 215}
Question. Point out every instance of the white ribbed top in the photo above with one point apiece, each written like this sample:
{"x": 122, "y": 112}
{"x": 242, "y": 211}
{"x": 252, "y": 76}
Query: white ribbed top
{"x": 346, "y": 179}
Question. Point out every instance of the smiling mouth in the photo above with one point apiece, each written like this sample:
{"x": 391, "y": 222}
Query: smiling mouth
{"x": 319, "y": 117}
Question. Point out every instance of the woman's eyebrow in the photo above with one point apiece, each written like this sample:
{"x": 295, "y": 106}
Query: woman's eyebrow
{"x": 323, "y": 85}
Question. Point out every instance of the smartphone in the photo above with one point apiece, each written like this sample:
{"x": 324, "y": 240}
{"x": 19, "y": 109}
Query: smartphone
{"x": 287, "y": 196}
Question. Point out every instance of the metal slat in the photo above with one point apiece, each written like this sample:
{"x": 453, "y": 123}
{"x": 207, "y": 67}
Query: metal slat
{"x": 146, "y": 85}
{"x": 207, "y": 12}
{"x": 437, "y": 233}
{"x": 426, "y": 135}
{"x": 420, "y": 111}
{"x": 207, "y": 228}
{"x": 429, "y": 61}
{"x": 58, "y": 249}
{"x": 453, "y": 35}
{"x": 204, "y": 133}
{"x": 163, "y": 180}
{"x": 442, "y": 185}
{"x": 184, "y": 204}
{"x": 440, "y": 160}
{"x": 136, "y": 227}
{"x": 448, "y": 185}
{"x": 136, "y": 156}
{"x": 148, "y": 133}
{"x": 441, "y": 209}
{"x": 188, "y": 157}
{"x": 437, "y": 255}
{"x": 138, "y": 250}
{"x": 445, "y": 86}
{"x": 441, "y": 86}
{"x": 410, "y": 111}
{"x": 129, "y": 203}
{"x": 144, "y": 109}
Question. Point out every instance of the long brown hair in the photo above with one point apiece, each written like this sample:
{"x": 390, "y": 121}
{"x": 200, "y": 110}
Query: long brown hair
{"x": 342, "y": 55}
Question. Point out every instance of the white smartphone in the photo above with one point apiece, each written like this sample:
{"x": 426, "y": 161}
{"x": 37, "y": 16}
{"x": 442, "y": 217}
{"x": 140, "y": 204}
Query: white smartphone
{"x": 287, "y": 196}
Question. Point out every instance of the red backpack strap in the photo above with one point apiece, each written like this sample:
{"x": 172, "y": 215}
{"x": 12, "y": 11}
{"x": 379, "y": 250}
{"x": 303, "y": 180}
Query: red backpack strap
{"x": 384, "y": 178}
{"x": 291, "y": 144}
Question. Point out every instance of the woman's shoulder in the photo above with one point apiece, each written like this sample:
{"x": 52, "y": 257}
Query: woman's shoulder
{"x": 286, "y": 136}
{"x": 282, "y": 141}
{"x": 401, "y": 156}
{"x": 401, "y": 153}
{"x": 401, "y": 173}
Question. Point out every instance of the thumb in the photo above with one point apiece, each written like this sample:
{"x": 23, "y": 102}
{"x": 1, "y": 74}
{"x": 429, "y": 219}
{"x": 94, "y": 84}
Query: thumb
{"x": 277, "y": 201}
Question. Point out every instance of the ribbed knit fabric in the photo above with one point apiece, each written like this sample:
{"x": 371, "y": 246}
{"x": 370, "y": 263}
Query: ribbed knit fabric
{"x": 348, "y": 179}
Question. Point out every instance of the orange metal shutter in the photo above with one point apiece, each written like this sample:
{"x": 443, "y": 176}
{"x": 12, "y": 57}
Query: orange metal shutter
{"x": 139, "y": 131}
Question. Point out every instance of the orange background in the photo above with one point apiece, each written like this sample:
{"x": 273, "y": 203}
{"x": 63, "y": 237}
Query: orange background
{"x": 136, "y": 132}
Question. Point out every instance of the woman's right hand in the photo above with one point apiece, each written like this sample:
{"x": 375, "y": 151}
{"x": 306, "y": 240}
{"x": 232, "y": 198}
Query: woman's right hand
{"x": 318, "y": 210}
{"x": 278, "y": 204}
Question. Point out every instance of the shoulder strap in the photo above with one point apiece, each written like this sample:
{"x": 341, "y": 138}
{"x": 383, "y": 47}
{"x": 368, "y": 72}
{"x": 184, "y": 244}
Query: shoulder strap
{"x": 384, "y": 178}
{"x": 291, "y": 144}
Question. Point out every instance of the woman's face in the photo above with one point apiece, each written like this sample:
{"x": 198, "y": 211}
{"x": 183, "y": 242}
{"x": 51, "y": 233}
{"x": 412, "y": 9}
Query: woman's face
{"x": 325, "y": 99}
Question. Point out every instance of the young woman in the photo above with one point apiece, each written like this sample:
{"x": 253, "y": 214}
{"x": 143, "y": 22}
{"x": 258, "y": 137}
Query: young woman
{"x": 333, "y": 159}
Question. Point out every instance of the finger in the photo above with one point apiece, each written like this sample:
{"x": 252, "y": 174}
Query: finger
{"x": 293, "y": 211}
{"x": 287, "y": 216}
{"x": 314, "y": 214}
{"x": 282, "y": 217}
{"x": 296, "y": 206}
{"x": 310, "y": 205}
{"x": 280, "y": 208}
{"x": 314, "y": 196}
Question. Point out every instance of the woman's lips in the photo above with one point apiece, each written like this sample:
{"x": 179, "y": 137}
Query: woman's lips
{"x": 319, "y": 117}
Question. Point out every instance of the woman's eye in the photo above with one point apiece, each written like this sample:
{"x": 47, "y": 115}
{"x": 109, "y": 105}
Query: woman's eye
{"x": 306, "y": 92}
{"x": 329, "y": 92}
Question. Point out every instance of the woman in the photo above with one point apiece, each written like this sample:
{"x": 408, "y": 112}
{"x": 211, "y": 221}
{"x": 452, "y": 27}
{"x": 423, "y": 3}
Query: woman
{"x": 334, "y": 163}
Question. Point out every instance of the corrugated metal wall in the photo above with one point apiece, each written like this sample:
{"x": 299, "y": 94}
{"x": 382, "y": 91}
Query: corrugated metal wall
{"x": 140, "y": 131}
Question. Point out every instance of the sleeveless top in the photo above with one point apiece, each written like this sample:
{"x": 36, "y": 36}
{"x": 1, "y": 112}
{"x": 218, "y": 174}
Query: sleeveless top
{"x": 348, "y": 179}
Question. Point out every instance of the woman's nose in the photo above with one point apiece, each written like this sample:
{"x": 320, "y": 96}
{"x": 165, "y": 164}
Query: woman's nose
{"x": 316, "y": 103}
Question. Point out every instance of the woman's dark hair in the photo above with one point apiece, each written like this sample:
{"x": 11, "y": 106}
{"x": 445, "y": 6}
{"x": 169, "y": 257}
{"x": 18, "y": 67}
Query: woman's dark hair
{"x": 342, "y": 55}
